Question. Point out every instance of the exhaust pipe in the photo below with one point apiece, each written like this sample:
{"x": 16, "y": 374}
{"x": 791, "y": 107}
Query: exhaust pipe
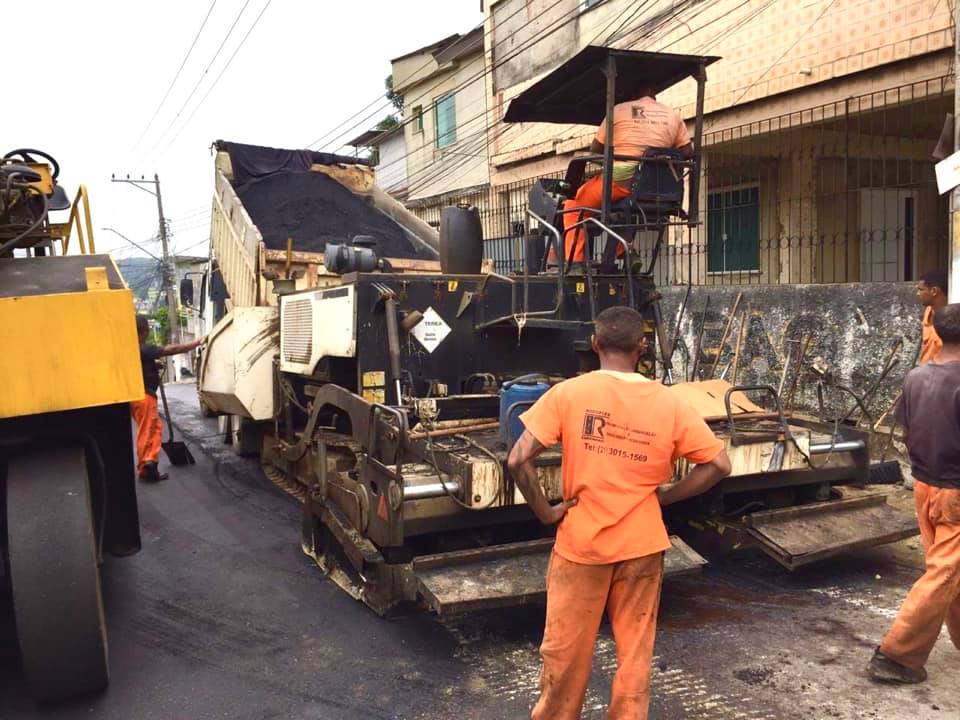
{"x": 429, "y": 491}
{"x": 842, "y": 446}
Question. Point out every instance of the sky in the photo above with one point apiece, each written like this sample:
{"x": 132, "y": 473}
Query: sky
{"x": 94, "y": 74}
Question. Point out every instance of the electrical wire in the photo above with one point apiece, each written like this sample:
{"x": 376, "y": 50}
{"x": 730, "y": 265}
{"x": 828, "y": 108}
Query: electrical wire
{"x": 772, "y": 65}
{"x": 176, "y": 76}
{"x": 521, "y": 7}
{"x": 203, "y": 74}
{"x": 220, "y": 74}
{"x": 562, "y": 21}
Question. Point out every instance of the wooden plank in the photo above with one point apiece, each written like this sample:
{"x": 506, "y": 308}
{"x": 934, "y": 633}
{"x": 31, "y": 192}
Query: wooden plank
{"x": 316, "y": 258}
{"x": 706, "y": 397}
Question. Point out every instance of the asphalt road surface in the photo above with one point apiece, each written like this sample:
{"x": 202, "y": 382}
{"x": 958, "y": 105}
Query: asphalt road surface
{"x": 221, "y": 616}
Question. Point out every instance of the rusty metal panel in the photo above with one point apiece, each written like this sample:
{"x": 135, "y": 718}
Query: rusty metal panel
{"x": 799, "y": 535}
{"x": 508, "y": 575}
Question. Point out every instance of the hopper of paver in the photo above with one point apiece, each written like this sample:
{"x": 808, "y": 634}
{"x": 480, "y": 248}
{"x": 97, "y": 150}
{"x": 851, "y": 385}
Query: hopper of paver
{"x": 274, "y": 212}
{"x": 798, "y": 489}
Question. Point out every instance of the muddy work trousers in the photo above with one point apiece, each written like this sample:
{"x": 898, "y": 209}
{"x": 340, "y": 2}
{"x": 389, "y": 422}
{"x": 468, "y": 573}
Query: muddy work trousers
{"x": 149, "y": 430}
{"x": 576, "y": 598}
{"x": 935, "y": 597}
{"x": 590, "y": 195}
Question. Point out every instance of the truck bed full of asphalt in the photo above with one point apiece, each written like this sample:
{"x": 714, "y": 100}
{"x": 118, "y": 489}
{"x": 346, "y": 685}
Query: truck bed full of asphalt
{"x": 315, "y": 209}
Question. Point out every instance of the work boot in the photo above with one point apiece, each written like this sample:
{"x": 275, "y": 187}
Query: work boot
{"x": 152, "y": 474}
{"x": 884, "y": 669}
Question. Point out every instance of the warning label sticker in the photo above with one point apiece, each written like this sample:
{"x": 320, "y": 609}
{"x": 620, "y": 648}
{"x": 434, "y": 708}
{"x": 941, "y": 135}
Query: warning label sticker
{"x": 431, "y": 330}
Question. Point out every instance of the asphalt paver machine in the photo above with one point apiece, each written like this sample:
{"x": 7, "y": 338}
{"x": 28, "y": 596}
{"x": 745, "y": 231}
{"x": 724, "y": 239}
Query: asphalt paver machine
{"x": 391, "y": 425}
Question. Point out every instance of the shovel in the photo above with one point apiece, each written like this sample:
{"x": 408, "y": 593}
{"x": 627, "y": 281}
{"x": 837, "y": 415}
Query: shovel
{"x": 177, "y": 451}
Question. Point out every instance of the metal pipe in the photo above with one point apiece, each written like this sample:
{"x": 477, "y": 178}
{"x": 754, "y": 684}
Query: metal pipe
{"x": 693, "y": 204}
{"x": 429, "y": 491}
{"x": 842, "y": 446}
{"x": 393, "y": 345}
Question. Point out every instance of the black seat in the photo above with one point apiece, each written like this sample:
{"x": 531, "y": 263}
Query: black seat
{"x": 656, "y": 191}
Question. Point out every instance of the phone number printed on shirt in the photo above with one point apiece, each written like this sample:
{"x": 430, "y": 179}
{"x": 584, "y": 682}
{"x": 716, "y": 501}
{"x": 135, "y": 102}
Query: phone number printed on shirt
{"x": 614, "y": 452}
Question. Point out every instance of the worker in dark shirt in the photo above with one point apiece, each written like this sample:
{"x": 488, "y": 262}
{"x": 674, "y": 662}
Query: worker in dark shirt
{"x": 149, "y": 428}
{"x": 930, "y": 414}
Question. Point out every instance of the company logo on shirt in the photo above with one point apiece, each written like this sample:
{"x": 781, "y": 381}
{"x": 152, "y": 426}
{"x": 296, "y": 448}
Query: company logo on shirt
{"x": 639, "y": 113}
{"x": 593, "y": 424}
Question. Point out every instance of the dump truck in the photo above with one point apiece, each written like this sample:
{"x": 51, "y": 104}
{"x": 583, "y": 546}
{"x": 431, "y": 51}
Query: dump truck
{"x": 71, "y": 365}
{"x": 386, "y": 385}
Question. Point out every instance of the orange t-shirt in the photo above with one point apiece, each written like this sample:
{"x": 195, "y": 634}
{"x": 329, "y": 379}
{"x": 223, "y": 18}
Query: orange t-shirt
{"x": 621, "y": 434}
{"x": 931, "y": 342}
{"x": 641, "y": 124}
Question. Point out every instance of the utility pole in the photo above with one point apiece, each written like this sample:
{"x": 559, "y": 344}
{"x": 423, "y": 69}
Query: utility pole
{"x": 169, "y": 270}
{"x": 953, "y": 224}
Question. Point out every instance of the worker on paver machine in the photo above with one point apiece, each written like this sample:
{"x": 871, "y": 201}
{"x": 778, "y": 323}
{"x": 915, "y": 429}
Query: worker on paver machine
{"x": 637, "y": 125}
{"x": 611, "y": 537}
{"x": 930, "y": 413}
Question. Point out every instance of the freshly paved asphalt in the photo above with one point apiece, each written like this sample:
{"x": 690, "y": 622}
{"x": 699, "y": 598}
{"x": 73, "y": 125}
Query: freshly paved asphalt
{"x": 221, "y": 616}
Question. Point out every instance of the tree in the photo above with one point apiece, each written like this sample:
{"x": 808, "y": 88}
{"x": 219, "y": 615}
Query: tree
{"x": 393, "y": 96}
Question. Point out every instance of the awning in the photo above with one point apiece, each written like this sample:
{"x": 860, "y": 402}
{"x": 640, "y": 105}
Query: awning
{"x": 576, "y": 91}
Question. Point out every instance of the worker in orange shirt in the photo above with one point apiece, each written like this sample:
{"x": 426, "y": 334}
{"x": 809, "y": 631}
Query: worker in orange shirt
{"x": 621, "y": 434}
{"x": 637, "y": 125}
{"x": 144, "y": 412}
{"x": 932, "y": 293}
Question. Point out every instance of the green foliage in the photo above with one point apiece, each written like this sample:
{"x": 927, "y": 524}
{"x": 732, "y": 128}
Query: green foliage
{"x": 388, "y": 123}
{"x": 394, "y": 97}
{"x": 160, "y": 326}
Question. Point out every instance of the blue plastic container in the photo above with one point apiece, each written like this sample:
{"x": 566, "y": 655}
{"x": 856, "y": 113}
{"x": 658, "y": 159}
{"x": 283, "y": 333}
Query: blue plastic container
{"x": 516, "y": 397}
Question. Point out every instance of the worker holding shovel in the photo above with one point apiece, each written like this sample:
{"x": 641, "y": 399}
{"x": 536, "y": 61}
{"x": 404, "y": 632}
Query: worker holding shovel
{"x": 144, "y": 412}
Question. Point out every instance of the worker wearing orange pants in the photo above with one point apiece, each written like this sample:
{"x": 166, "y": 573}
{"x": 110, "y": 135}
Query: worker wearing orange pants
{"x": 637, "y": 125}
{"x": 590, "y": 195}
{"x": 935, "y": 597}
{"x": 149, "y": 431}
{"x": 611, "y": 538}
{"x": 144, "y": 412}
{"x": 576, "y": 598}
{"x": 929, "y": 411}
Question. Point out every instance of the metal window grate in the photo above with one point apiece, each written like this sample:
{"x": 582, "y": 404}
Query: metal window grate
{"x": 298, "y": 331}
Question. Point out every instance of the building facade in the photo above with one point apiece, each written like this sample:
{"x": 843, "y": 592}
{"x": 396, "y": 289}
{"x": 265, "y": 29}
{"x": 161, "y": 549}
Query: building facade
{"x": 820, "y": 118}
{"x": 444, "y": 126}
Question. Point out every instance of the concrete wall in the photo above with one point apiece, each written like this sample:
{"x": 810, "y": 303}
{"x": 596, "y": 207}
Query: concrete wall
{"x": 391, "y": 171}
{"x": 853, "y": 327}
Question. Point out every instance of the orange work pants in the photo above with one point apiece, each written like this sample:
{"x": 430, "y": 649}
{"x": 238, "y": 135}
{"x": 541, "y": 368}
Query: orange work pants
{"x": 149, "y": 430}
{"x": 589, "y": 195}
{"x": 935, "y": 597}
{"x": 576, "y": 597}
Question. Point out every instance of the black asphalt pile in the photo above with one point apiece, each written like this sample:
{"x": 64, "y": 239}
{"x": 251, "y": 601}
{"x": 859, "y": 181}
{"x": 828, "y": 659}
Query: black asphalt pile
{"x": 315, "y": 209}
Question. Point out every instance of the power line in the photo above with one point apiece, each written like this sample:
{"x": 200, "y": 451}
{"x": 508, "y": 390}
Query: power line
{"x": 567, "y": 17}
{"x": 437, "y": 171}
{"x": 177, "y": 75}
{"x": 772, "y": 65}
{"x": 203, "y": 74}
{"x": 379, "y": 99}
{"x": 220, "y": 75}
